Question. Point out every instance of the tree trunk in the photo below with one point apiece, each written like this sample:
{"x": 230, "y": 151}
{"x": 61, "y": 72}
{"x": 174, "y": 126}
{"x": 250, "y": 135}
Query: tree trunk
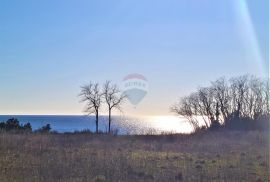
{"x": 110, "y": 120}
{"x": 96, "y": 122}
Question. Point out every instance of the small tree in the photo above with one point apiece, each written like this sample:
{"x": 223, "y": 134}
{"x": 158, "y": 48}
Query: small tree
{"x": 113, "y": 98}
{"x": 91, "y": 95}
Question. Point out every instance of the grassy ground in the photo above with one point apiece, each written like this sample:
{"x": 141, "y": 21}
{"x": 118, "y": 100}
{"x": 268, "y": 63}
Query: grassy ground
{"x": 214, "y": 156}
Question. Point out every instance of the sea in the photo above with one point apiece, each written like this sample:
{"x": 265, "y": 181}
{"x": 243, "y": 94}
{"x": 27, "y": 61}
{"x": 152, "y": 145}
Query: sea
{"x": 122, "y": 125}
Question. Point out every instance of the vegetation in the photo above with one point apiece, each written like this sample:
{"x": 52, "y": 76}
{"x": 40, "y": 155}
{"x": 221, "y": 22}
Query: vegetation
{"x": 45, "y": 129}
{"x": 94, "y": 96}
{"x": 13, "y": 125}
{"x": 113, "y": 98}
{"x": 205, "y": 156}
{"x": 240, "y": 103}
{"x": 235, "y": 146}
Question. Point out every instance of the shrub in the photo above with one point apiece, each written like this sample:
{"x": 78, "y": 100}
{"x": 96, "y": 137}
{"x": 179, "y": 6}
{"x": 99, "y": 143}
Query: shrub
{"x": 27, "y": 127}
{"x": 246, "y": 123}
{"x": 14, "y": 125}
{"x": 215, "y": 125}
{"x": 45, "y": 129}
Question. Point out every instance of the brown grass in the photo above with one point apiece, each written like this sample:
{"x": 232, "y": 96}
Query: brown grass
{"x": 214, "y": 156}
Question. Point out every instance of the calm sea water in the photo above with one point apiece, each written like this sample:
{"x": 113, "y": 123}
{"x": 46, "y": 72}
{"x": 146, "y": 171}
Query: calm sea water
{"x": 123, "y": 125}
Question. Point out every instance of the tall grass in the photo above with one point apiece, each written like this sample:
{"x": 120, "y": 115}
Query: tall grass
{"x": 206, "y": 156}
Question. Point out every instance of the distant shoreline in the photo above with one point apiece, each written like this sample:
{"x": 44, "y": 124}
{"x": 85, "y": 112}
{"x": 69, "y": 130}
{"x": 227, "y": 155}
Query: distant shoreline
{"x": 121, "y": 125}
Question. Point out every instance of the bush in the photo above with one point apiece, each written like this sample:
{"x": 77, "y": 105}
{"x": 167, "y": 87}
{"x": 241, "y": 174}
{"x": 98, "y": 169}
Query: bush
{"x": 27, "y": 127}
{"x": 246, "y": 123}
{"x": 14, "y": 125}
{"x": 263, "y": 123}
{"x": 45, "y": 129}
{"x": 215, "y": 125}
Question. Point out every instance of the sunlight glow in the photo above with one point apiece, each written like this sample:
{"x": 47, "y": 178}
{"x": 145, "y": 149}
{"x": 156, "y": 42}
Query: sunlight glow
{"x": 171, "y": 124}
{"x": 248, "y": 34}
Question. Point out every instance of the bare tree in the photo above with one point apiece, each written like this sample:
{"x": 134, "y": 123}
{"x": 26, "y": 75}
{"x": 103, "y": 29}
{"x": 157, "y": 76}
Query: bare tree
{"x": 91, "y": 95}
{"x": 188, "y": 107}
{"x": 239, "y": 88}
{"x": 243, "y": 97}
{"x": 207, "y": 104}
{"x": 113, "y": 98}
{"x": 222, "y": 97}
{"x": 266, "y": 93}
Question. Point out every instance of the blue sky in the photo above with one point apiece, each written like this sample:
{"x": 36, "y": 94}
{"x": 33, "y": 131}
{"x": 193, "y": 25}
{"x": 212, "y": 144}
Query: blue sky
{"x": 49, "y": 48}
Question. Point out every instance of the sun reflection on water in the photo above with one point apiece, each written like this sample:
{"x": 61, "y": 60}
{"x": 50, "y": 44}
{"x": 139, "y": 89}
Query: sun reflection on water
{"x": 169, "y": 124}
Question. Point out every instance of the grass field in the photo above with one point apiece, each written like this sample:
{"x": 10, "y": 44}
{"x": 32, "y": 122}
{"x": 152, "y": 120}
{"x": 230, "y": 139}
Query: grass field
{"x": 212, "y": 156}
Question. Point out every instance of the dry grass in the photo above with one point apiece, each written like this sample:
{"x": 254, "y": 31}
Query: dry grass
{"x": 214, "y": 156}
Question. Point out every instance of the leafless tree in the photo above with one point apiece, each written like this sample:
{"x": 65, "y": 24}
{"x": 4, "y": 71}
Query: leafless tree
{"x": 185, "y": 108}
{"x": 113, "y": 98}
{"x": 266, "y": 93}
{"x": 207, "y": 104}
{"x": 92, "y": 95}
{"x": 222, "y": 97}
{"x": 239, "y": 87}
{"x": 258, "y": 98}
{"x": 243, "y": 97}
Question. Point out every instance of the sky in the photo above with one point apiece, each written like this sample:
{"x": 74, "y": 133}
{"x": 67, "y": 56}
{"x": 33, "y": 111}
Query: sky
{"x": 48, "y": 49}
